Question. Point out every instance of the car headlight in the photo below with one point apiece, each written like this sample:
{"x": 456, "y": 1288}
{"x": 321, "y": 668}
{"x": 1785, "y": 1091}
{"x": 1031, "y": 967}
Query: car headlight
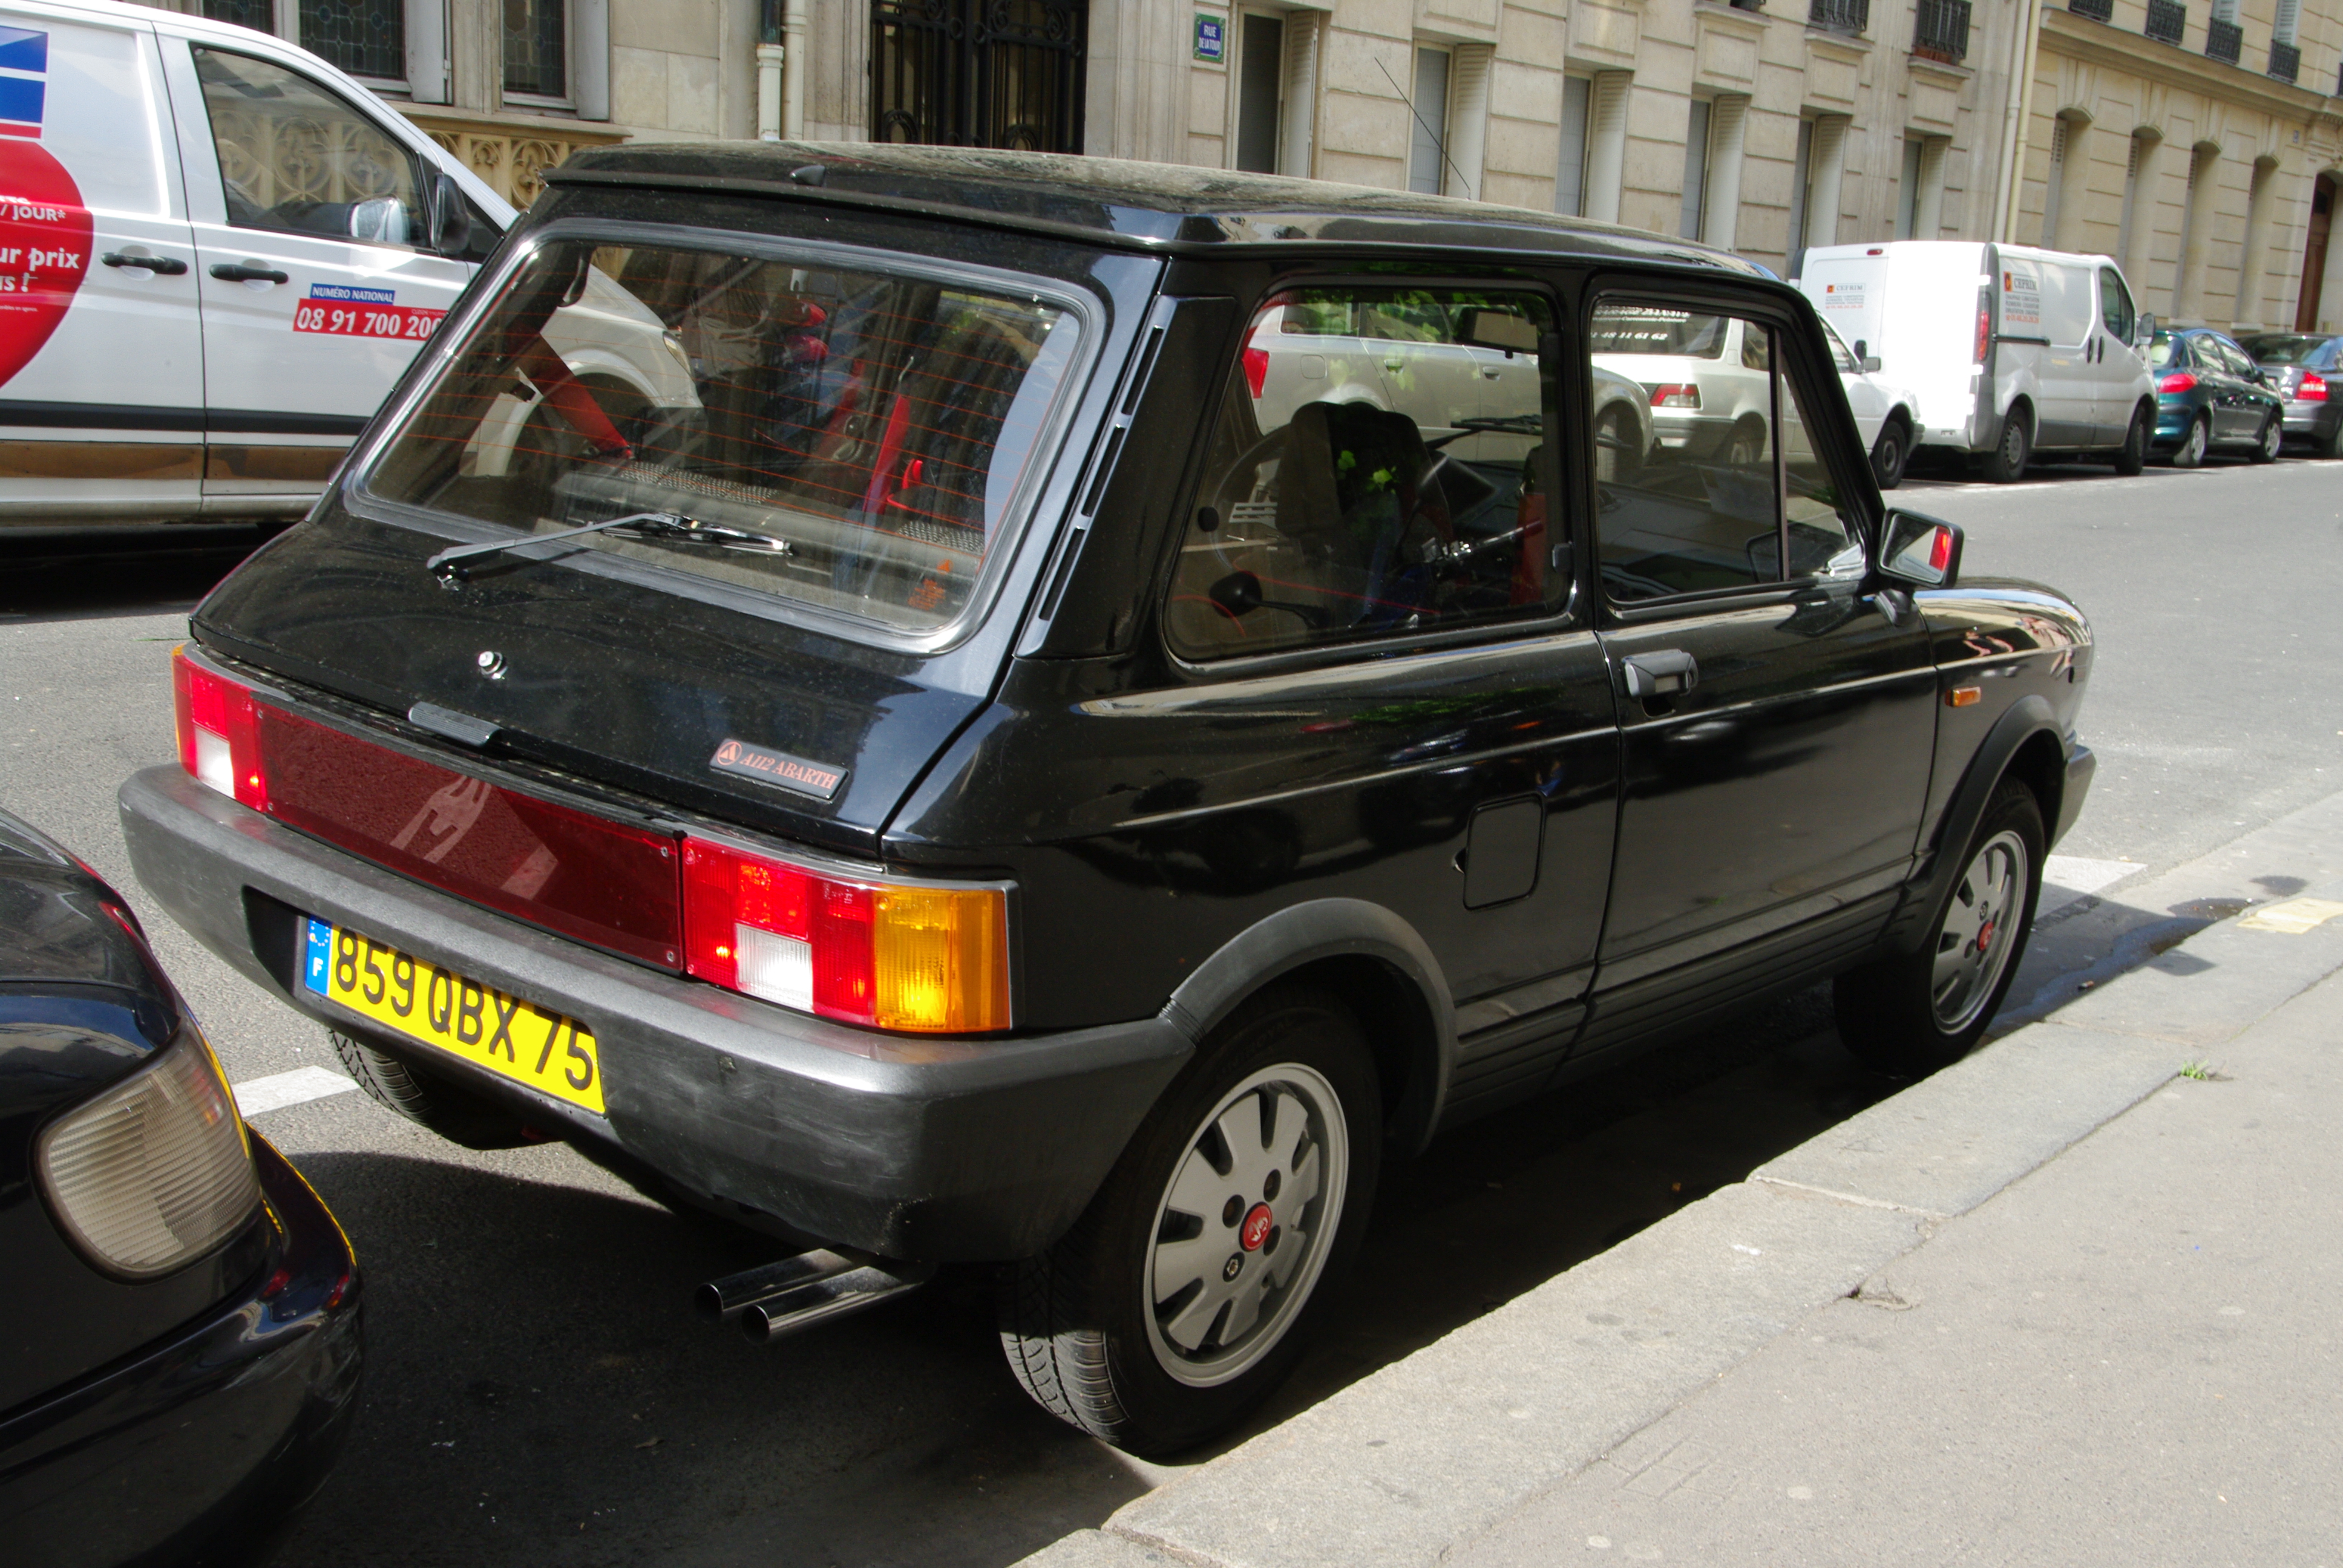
{"x": 154, "y": 1173}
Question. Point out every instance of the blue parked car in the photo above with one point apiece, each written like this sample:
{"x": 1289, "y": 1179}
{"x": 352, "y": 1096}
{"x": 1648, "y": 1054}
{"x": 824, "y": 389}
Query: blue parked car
{"x": 2209, "y": 394}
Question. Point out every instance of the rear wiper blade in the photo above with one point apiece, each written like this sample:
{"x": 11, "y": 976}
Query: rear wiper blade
{"x": 447, "y": 565}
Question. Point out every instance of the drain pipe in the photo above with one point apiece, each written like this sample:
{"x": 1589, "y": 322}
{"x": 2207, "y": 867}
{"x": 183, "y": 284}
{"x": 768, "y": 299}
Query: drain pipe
{"x": 2021, "y": 99}
{"x": 780, "y": 70}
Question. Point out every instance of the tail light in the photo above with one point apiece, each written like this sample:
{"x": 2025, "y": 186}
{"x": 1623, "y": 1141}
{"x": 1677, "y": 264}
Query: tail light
{"x": 154, "y": 1173}
{"x": 2177, "y": 381}
{"x": 1674, "y": 395}
{"x": 2313, "y": 389}
{"x": 1984, "y": 329}
{"x": 1256, "y": 364}
{"x": 928, "y": 960}
{"x": 219, "y": 735}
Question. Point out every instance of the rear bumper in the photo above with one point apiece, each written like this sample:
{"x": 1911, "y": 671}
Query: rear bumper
{"x": 2313, "y": 421}
{"x": 199, "y": 1448}
{"x": 929, "y": 1148}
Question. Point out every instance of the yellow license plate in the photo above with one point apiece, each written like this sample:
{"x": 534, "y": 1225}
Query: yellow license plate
{"x": 549, "y": 1051}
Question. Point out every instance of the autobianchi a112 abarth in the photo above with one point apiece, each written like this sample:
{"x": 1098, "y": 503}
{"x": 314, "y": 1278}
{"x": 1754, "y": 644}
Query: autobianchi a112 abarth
{"x": 1003, "y": 771}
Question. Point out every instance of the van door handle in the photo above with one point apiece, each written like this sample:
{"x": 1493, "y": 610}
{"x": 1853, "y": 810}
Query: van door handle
{"x": 236, "y": 272}
{"x": 1490, "y": 372}
{"x": 165, "y": 266}
{"x": 1661, "y": 674}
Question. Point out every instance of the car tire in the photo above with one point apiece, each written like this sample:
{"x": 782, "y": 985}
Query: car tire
{"x": 2190, "y": 453}
{"x": 424, "y": 1098}
{"x": 2271, "y": 441}
{"x": 1617, "y": 451}
{"x": 2131, "y": 458}
{"x": 1890, "y": 453}
{"x": 1909, "y": 1015}
{"x": 1744, "y": 448}
{"x": 1098, "y": 1328}
{"x": 2332, "y": 445}
{"x": 2007, "y": 462}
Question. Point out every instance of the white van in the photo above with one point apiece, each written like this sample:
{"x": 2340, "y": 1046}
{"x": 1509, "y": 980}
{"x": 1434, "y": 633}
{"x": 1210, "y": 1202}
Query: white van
{"x": 2012, "y": 352}
{"x": 217, "y": 254}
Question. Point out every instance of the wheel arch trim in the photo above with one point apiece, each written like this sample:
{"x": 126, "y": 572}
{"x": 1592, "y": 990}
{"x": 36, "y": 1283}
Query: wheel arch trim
{"x": 1303, "y": 935}
{"x": 2029, "y": 722}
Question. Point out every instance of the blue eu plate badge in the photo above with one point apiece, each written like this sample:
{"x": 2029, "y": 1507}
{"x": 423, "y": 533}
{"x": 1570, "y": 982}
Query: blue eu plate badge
{"x": 317, "y": 956}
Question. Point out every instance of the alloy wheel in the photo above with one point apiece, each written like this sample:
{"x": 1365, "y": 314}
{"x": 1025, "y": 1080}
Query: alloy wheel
{"x": 1243, "y": 1228}
{"x": 1979, "y": 932}
{"x": 2273, "y": 438}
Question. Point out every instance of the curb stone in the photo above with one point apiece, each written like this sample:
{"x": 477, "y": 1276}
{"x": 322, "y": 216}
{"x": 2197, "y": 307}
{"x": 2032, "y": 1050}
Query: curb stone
{"x": 1437, "y": 1447}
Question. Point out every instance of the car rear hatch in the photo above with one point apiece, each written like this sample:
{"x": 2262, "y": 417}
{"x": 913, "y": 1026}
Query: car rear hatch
{"x": 828, "y": 458}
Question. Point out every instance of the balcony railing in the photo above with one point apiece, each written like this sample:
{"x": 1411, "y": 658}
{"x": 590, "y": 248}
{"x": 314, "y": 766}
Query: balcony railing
{"x": 1847, "y": 17}
{"x": 2286, "y": 61}
{"x": 2097, "y": 10}
{"x": 1942, "y": 31}
{"x": 2224, "y": 41}
{"x": 2166, "y": 20}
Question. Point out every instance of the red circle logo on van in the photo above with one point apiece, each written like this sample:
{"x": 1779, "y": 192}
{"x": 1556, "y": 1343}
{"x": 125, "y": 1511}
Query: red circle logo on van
{"x": 1255, "y": 1229}
{"x": 45, "y": 235}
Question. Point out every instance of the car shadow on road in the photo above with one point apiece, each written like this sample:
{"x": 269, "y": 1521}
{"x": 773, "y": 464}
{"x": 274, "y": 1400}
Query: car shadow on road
{"x": 86, "y": 574}
{"x": 513, "y": 1393}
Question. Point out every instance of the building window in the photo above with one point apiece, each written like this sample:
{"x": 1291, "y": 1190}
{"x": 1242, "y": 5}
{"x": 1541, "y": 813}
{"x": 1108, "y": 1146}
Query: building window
{"x": 1569, "y": 175}
{"x": 536, "y": 48}
{"x": 258, "y": 15}
{"x": 979, "y": 73}
{"x": 2289, "y": 13}
{"x": 1260, "y": 81}
{"x": 1908, "y": 189}
{"x": 1695, "y": 174}
{"x": 363, "y": 37}
{"x": 1427, "y": 144}
{"x": 1801, "y": 193}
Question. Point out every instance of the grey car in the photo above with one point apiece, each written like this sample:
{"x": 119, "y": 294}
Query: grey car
{"x": 2302, "y": 367}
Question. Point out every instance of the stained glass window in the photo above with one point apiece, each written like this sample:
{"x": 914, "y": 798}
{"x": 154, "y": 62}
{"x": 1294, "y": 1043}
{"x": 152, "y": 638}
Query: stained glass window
{"x": 363, "y": 37}
{"x": 536, "y": 54}
{"x": 256, "y": 13}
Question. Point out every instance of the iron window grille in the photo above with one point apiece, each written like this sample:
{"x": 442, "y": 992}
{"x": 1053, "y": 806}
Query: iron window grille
{"x": 2224, "y": 41}
{"x": 2166, "y": 20}
{"x": 980, "y": 72}
{"x": 2286, "y": 61}
{"x": 1851, "y": 17}
{"x": 2097, "y": 10}
{"x": 1942, "y": 31}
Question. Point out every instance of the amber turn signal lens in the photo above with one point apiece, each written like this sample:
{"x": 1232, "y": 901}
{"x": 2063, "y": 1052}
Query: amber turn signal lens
{"x": 1965, "y": 697}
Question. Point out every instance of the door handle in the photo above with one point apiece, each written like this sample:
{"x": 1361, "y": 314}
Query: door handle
{"x": 1664, "y": 673}
{"x": 1488, "y": 372}
{"x": 165, "y": 266}
{"x": 236, "y": 272}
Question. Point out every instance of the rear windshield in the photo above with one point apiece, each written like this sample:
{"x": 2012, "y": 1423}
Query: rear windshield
{"x": 1639, "y": 329}
{"x": 2160, "y": 351}
{"x": 853, "y": 439}
{"x": 2283, "y": 348}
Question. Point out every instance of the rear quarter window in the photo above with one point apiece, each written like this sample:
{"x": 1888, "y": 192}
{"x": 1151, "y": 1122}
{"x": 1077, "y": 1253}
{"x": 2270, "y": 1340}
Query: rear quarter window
{"x": 845, "y": 434}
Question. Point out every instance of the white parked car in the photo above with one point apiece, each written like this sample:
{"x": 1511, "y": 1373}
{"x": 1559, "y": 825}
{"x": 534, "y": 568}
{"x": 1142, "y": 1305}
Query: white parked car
{"x": 1705, "y": 378}
{"x": 232, "y": 251}
{"x": 2013, "y": 351}
{"x": 1885, "y": 415}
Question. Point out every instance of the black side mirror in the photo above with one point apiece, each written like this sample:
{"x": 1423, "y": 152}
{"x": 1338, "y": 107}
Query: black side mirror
{"x": 1920, "y": 551}
{"x": 451, "y": 216}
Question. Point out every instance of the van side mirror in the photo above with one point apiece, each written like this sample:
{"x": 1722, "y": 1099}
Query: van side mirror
{"x": 381, "y": 220}
{"x": 1871, "y": 364}
{"x": 2142, "y": 331}
{"x": 451, "y": 216}
{"x": 1921, "y": 552}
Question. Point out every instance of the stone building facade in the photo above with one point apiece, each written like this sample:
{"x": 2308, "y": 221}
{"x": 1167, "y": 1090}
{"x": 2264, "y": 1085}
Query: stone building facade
{"x": 2198, "y": 144}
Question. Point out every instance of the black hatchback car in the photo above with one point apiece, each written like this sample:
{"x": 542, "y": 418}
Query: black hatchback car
{"x": 181, "y": 1356}
{"x": 1120, "y": 702}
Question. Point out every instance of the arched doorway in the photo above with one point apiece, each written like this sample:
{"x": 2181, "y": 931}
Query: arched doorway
{"x": 2314, "y": 254}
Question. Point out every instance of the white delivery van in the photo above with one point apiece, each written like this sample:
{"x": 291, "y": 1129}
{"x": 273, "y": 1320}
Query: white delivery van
{"x": 217, "y": 254}
{"x": 2011, "y": 351}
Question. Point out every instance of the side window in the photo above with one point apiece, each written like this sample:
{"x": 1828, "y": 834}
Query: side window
{"x": 297, "y": 159}
{"x": 1708, "y": 508}
{"x": 2114, "y": 303}
{"x": 1378, "y": 494}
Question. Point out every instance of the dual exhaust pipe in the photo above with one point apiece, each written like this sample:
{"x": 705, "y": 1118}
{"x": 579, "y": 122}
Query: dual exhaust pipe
{"x": 794, "y": 1294}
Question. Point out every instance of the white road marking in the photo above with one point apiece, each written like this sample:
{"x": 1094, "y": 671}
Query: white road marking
{"x": 2067, "y": 878}
{"x": 279, "y": 1089}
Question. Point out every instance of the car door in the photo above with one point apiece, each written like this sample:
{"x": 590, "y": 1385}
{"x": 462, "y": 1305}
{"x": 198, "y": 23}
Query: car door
{"x": 309, "y": 220}
{"x": 2068, "y": 416}
{"x": 1385, "y": 690}
{"x": 1864, "y": 400}
{"x": 1778, "y": 715}
{"x": 2122, "y": 372}
{"x": 2249, "y": 393}
{"x": 101, "y": 354}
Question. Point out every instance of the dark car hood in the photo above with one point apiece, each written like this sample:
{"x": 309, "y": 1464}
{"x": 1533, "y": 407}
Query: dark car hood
{"x": 635, "y": 687}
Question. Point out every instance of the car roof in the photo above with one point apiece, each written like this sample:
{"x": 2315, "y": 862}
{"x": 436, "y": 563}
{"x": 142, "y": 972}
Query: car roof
{"x": 1167, "y": 209}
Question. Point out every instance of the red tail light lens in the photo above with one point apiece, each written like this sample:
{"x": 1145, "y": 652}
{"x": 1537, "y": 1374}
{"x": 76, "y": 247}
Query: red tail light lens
{"x": 1984, "y": 329}
{"x": 2313, "y": 389}
{"x": 2177, "y": 381}
{"x": 219, "y": 735}
{"x": 924, "y": 959}
{"x": 1673, "y": 395}
{"x": 1256, "y": 366}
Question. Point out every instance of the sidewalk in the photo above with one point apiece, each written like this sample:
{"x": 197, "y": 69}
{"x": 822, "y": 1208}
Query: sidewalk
{"x": 2055, "y": 1304}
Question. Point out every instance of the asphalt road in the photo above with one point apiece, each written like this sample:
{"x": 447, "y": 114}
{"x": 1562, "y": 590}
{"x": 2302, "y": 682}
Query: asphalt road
{"x": 536, "y": 1386}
